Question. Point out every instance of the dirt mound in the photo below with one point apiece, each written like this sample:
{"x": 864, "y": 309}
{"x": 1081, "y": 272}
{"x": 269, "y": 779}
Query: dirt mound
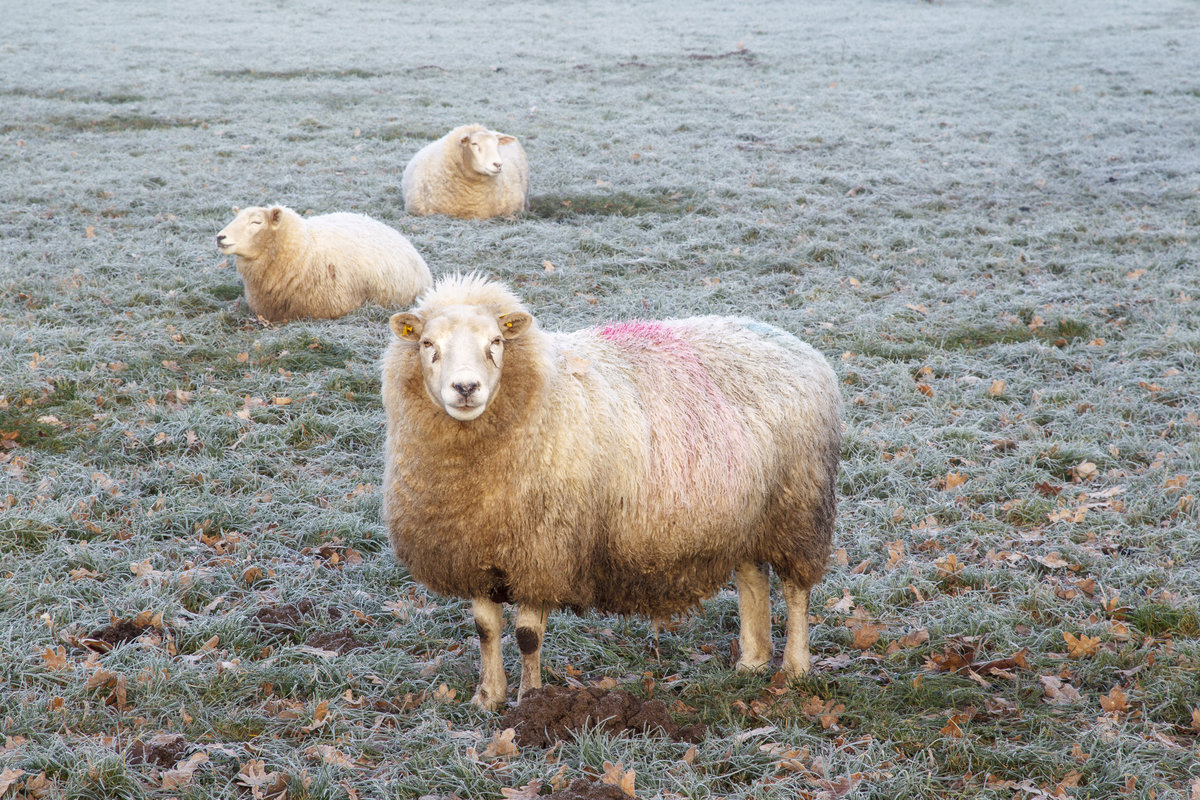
{"x": 552, "y": 713}
{"x": 337, "y": 641}
{"x": 290, "y": 615}
{"x": 108, "y": 637}
{"x": 583, "y": 789}
{"x": 164, "y": 750}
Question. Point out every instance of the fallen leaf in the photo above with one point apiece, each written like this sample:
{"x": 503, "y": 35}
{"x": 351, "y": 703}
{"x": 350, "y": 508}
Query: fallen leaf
{"x": 1115, "y": 702}
{"x": 954, "y": 479}
{"x": 1057, "y": 692}
{"x": 1053, "y": 561}
{"x": 444, "y": 693}
{"x": 1196, "y": 719}
{"x": 997, "y": 388}
{"x": 54, "y": 660}
{"x": 8, "y": 778}
{"x": 953, "y": 726}
{"x": 1082, "y": 645}
{"x": 615, "y": 776}
{"x": 501, "y": 745}
{"x": 914, "y": 638}
{"x": 866, "y": 636}
{"x": 330, "y": 755}
{"x": 527, "y": 792}
{"x": 843, "y": 605}
{"x": 181, "y": 774}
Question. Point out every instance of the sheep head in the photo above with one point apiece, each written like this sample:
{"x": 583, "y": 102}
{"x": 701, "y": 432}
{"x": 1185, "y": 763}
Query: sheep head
{"x": 461, "y": 350}
{"x": 481, "y": 151}
{"x": 244, "y": 236}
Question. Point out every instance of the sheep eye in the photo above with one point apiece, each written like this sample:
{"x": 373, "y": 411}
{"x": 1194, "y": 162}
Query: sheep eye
{"x": 497, "y": 342}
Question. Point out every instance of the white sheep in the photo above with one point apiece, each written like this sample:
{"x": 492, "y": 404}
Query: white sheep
{"x": 320, "y": 267}
{"x": 470, "y": 173}
{"x": 628, "y": 468}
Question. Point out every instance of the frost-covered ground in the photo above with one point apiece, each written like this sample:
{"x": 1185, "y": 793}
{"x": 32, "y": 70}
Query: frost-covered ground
{"x": 984, "y": 214}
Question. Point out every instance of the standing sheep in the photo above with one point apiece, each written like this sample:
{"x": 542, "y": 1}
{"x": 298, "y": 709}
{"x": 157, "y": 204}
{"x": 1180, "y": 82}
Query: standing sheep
{"x": 320, "y": 267}
{"x": 470, "y": 173}
{"x": 627, "y": 468}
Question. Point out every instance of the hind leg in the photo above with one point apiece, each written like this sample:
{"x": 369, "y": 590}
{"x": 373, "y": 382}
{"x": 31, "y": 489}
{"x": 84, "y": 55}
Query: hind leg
{"x": 796, "y": 660}
{"x": 754, "y": 616}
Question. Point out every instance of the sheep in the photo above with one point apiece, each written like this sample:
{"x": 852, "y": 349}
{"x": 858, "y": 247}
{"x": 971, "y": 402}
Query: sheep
{"x": 470, "y": 173}
{"x": 320, "y": 267}
{"x": 627, "y": 468}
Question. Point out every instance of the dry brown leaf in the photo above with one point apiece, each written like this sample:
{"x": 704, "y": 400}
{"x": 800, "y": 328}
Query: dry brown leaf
{"x": 614, "y": 775}
{"x": 997, "y": 388}
{"x": 1057, "y": 692}
{"x": 843, "y": 605}
{"x": 866, "y": 636}
{"x": 1053, "y": 561}
{"x": 1115, "y": 702}
{"x": 954, "y": 479}
{"x": 948, "y": 565}
{"x": 330, "y": 755}
{"x": 54, "y": 660}
{"x": 1196, "y": 719}
{"x": 444, "y": 693}
{"x": 895, "y": 553}
{"x": 320, "y": 716}
{"x": 914, "y": 638}
{"x": 181, "y": 774}
{"x": 501, "y": 745}
{"x": 8, "y": 778}
{"x": 530, "y": 790}
{"x": 953, "y": 726}
{"x": 1081, "y": 646}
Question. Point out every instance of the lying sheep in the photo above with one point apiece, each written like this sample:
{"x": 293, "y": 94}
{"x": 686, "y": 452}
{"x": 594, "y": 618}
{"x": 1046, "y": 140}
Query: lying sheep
{"x": 320, "y": 267}
{"x": 627, "y": 468}
{"x": 470, "y": 173}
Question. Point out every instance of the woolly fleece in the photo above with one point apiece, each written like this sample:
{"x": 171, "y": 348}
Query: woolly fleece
{"x": 320, "y": 267}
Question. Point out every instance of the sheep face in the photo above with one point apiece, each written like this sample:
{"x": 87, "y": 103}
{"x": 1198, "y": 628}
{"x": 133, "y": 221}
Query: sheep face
{"x": 481, "y": 151}
{"x": 245, "y": 235}
{"x": 462, "y": 353}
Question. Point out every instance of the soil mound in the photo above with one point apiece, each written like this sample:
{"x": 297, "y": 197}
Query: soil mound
{"x": 552, "y": 713}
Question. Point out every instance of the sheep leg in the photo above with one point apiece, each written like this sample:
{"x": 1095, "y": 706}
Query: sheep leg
{"x": 754, "y": 615}
{"x": 493, "y": 683}
{"x": 796, "y": 660}
{"x": 531, "y": 628}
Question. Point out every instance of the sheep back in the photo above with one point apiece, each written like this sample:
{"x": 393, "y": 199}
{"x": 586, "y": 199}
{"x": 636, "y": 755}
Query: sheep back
{"x": 627, "y": 468}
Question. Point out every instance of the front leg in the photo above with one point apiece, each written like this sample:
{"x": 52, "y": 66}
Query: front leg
{"x": 493, "y": 683}
{"x": 531, "y": 629}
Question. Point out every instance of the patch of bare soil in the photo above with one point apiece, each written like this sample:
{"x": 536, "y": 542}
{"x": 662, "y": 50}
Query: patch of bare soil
{"x": 552, "y": 713}
{"x": 164, "y": 750}
{"x": 583, "y": 789}
{"x": 113, "y": 634}
{"x": 290, "y": 615}
{"x": 337, "y": 641}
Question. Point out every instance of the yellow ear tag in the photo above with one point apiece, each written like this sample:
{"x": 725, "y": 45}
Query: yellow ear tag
{"x": 508, "y": 324}
{"x": 407, "y": 330}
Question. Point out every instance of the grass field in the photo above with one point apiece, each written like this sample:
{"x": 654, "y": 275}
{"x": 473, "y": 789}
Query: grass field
{"x": 984, "y": 214}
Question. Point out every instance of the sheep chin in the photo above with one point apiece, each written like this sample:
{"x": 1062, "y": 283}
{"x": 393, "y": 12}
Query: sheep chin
{"x": 465, "y": 414}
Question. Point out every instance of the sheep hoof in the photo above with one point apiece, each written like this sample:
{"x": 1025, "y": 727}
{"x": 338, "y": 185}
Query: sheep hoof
{"x": 747, "y": 665}
{"x": 485, "y": 701}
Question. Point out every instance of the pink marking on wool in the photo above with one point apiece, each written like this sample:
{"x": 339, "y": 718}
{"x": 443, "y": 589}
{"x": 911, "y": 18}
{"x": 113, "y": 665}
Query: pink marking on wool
{"x": 679, "y": 389}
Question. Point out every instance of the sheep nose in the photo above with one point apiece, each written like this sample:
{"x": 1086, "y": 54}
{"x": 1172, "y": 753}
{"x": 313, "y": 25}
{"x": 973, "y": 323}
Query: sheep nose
{"x": 466, "y": 388}
{"x": 220, "y": 240}
{"x": 498, "y": 165}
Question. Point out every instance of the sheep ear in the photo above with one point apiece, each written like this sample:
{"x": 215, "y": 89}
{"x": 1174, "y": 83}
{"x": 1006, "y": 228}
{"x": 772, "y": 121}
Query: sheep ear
{"x": 514, "y": 323}
{"x": 406, "y": 326}
{"x": 275, "y": 214}
{"x": 236, "y": 210}
{"x": 504, "y": 138}
{"x": 464, "y": 139}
